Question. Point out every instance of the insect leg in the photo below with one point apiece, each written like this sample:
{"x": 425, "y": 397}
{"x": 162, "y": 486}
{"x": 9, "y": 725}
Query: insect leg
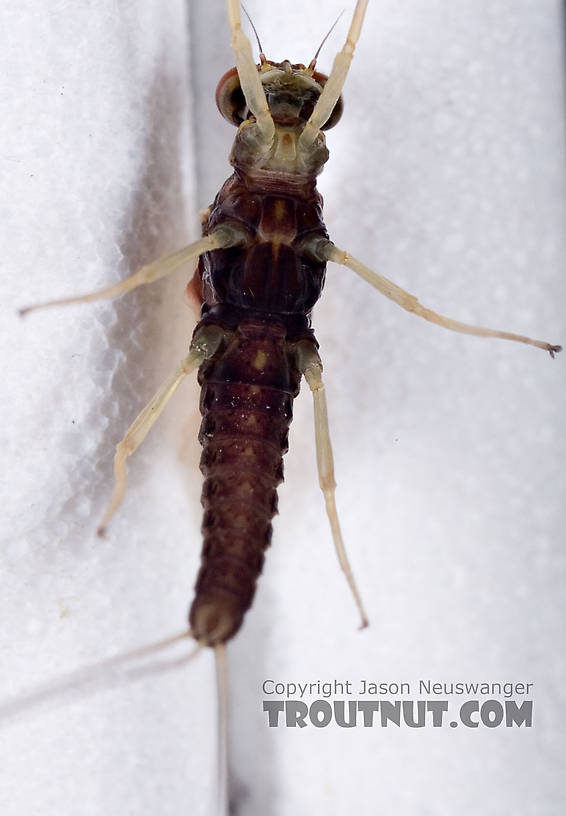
{"x": 203, "y": 345}
{"x": 221, "y": 238}
{"x": 335, "y": 82}
{"x": 329, "y": 252}
{"x": 310, "y": 365}
{"x": 250, "y": 81}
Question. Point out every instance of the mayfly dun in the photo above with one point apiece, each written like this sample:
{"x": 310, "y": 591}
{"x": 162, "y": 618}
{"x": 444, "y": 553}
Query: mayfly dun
{"x": 254, "y": 341}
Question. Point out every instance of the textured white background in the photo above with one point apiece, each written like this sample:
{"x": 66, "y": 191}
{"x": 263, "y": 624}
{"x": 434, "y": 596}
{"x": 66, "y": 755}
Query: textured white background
{"x": 447, "y": 175}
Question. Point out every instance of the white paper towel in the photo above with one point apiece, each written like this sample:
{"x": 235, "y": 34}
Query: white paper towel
{"x": 446, "y": 175}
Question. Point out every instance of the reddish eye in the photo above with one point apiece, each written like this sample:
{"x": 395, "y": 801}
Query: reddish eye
{"x": 232, "y": 105}
{"x": 230, "y": 99}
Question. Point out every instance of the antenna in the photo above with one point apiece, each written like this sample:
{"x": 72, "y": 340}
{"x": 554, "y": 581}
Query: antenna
{"x": 330, "y": 30}
{"x": 261, "y": 54}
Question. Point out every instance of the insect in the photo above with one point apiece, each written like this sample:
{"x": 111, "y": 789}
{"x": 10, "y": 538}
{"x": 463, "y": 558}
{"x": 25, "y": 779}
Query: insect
{"x": 448, "y": 341}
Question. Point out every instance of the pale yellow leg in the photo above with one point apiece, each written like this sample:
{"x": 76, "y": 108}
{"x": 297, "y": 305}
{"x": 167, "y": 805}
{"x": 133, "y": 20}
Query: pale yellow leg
{"x": 311, "y": 366}
{"x": 203, "y": 346}
{"x": 333, "y": 88}
{"x": 411, "y": 304}
{"x": 150, "y": 273}
{"x": 250, "y": 81}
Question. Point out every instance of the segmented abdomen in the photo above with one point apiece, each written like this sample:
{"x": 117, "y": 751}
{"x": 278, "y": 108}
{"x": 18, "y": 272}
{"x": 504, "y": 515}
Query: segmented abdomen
{"x": 246, "y": 402}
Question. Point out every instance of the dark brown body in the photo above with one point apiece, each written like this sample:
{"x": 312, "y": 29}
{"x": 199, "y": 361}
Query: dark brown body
{"x": 261, "y": 293}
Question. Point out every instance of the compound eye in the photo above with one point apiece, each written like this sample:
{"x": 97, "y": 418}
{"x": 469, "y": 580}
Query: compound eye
{"x": 230, "y": 98}
{"x": 335, "y": 116}
{"x": 338, "y": 109}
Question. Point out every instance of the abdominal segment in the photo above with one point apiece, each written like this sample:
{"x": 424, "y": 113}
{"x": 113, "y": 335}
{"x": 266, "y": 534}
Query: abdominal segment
{"x": 246, "y": 403}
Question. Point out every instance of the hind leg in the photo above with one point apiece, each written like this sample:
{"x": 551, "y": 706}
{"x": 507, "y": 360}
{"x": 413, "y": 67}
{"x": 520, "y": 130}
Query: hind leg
{"x": 311, "y": 366}
{"x": 204, "y": 345}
